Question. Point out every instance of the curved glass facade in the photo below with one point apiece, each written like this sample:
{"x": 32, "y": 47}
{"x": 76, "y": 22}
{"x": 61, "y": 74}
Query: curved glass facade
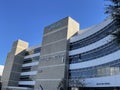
{"x": 111, "y": 68}
{"x": 103, "y": 69}
{"x": 95, "y": 53}
{"x": 94, "y": 37}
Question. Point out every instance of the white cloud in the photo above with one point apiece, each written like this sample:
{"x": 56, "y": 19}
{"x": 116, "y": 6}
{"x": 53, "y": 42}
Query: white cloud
{"x": 1, "y": 69}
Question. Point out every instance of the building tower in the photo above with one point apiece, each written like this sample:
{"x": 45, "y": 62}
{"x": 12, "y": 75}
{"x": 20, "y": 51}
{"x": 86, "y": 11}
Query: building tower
{"x": 13, "y": 65}
{"x": 53, "y": 64}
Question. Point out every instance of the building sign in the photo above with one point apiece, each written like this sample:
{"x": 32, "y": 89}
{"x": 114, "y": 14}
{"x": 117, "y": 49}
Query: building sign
{"x": 54, "y": 26}
{"x": 102, "y": 83}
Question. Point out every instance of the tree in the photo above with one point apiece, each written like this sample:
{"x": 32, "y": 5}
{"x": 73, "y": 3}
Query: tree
{"x": 61, "y": 85}
{"x": 114, "y": 11}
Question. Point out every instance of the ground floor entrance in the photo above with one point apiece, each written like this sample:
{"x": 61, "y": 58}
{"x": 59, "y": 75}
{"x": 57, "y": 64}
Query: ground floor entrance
{"x": 98, "y": 88}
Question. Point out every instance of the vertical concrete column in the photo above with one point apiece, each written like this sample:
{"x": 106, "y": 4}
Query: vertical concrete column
{"x": 13, "y": 64}
{"x": 53, "y": 65}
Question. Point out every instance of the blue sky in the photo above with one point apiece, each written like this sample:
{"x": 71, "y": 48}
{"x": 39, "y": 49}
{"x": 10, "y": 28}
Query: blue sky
{"x": 26, "y": 19}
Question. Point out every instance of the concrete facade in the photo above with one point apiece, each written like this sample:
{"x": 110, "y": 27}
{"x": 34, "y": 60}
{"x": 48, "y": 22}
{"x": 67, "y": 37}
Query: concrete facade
{"x": 53, "y": 65}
